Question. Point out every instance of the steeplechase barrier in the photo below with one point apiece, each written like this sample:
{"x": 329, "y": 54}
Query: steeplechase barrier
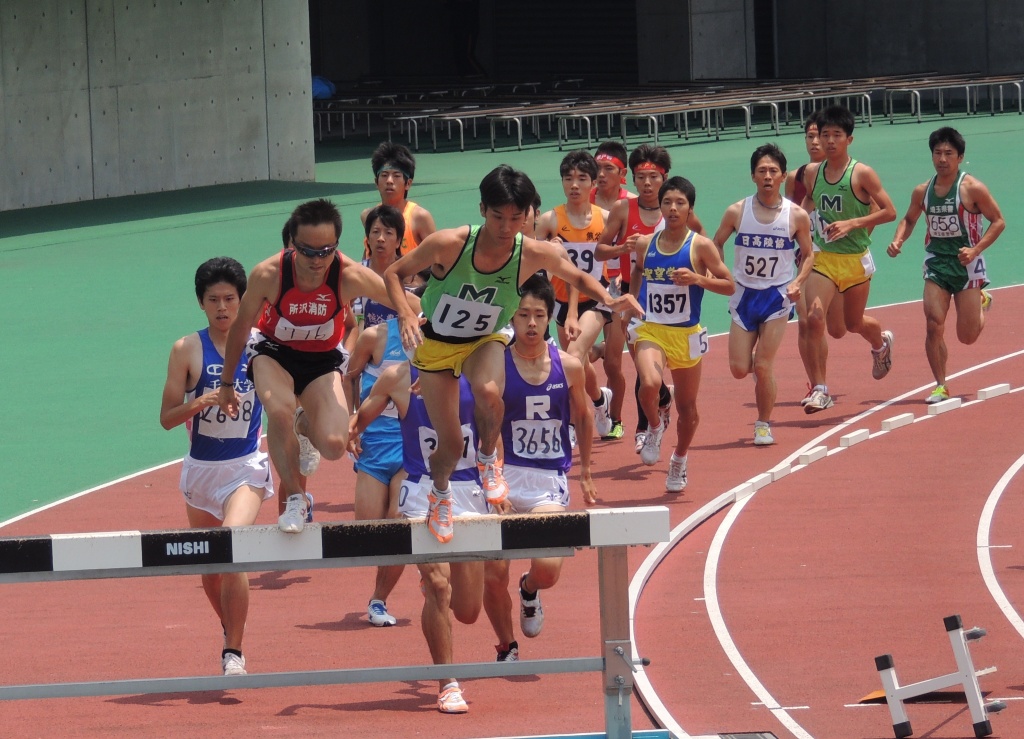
{"x": 125, "y": 554}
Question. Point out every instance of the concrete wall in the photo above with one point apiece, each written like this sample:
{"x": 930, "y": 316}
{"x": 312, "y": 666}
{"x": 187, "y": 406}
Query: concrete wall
{"x": 663, "y": 46}
{"x": 859, "y": 38}
{"x": 723, "y": 39}
{"x": 100, "y": 99}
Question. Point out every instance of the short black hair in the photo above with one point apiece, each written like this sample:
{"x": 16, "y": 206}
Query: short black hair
{"x": 389, "y": 218}
{"x": 314, "y": 213}
{"x": 947, "y": 135}
{"x": 219, "y": 269}
{"x": 837, "y": 116}
{"x": 767, "y": 150}
{"x": 681, "y": 184}
{"x": 505, "y": 185}
{"x": 812, "y": 120}
{"x": 581, "y": 160}
{"x": 539, "y": 286}
{"x": 396, "y": 155}
{"x": 286, "y": 233}
{"x": 613, "y": 149}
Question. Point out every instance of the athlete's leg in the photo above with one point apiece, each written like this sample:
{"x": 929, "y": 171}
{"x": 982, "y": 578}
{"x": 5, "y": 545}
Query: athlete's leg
{"x": 741, "y": 350}
{"x": 467, "y": 582}
{"x": 544, "y": 571}
{"x": 497, "y": 601}
{"x": 435, "y": 619}
{"x": 276, "y": 391}
{"x": 819, "y": 292}
{"x": 970, "y": 319}
{"x": 687, "y": 382}
{"x": 936, "y": 308}
{"x": 438, "y": 389}
{"x": 835, "y": 318}
{"x": 485, "y": 370}
{"x": 614, "y": 341}
{"x": 373, "y": 501}
{"x": 855, "y": 300}
{"x": 769, "y": 340}
{"x": 325, "y": 420}
{"x": 650, "y": 364}
{"x": 591, "y": 323}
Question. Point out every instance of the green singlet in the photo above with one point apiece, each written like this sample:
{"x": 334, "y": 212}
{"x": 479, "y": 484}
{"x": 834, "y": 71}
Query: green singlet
{"x": 466, "y": 304}
{"x": 836, "y": 202}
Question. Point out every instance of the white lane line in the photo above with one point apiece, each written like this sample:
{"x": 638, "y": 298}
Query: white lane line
{"x": 722, "y": 631}
{"x": 988, "y": 572}
{"x": 644, "y": 689}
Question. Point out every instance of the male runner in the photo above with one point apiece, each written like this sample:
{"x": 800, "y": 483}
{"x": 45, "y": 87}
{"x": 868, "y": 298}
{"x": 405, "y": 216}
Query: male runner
{"x": 225, "y": 476}
{"x": 577, "y": 225}
{"x": 394, "y": 167}
{"x": 472, "y": 293}
{"x": 448, "y": 588}
{"x": 953, "y": 204}
{"x": 297, "y": 297}
{"x": 544, "y": 389}
{"x": 842, "y": 190}
{"x": 768, "y": 229}
{"x": 673, "y": 269}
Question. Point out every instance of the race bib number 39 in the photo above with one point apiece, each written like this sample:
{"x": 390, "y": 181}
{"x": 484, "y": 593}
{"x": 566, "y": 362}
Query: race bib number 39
{"x": 464, "y": 319}
{"x": 582, "y": 256}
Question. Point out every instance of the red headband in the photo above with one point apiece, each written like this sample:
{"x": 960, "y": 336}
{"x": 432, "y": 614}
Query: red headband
{"x": 609, "y": 158}
{"x": 649, "y": 166}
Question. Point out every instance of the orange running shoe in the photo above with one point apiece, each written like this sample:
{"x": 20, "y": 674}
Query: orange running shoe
{"x": 493, "y": 481}
{"x": 439, "y": 515}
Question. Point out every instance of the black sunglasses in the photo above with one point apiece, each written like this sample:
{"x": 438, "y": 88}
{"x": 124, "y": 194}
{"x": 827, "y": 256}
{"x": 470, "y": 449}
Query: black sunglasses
{"x": 311, "y": 253}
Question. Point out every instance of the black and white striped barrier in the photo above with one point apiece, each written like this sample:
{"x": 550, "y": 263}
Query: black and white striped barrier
{"x": 965, "y": 676}
{"x": 356, "y": 544}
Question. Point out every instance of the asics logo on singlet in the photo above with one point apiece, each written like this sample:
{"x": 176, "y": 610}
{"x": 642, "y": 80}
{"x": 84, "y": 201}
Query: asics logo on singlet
{"x": 554, "y": 386}
{"x": 780, "y": 229}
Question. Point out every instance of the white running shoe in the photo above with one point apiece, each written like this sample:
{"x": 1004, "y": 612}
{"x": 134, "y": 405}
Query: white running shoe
{"x": 309, "y": 457}
{"x": 451, "y": 701}
{"x": 763, "y": 434}
{"x": 676, "y": 482}
{"x": 378, "y": 614}
{"x": 651, "y": 452}
{"x": 882, "y": 360}
{"x": 665, "y": 411}
{"x": 819, "y": 401}
{"x": 294, "y": 516}
{"x": 531, "y": 614}
{"x": 233, "y": 664}
{"x": 603, "y": 413}
{"x": 638, "y": 441}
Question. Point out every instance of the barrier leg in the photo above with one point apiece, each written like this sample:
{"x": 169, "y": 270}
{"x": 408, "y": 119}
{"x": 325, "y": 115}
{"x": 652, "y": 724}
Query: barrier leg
{"x": 613, "y": 579}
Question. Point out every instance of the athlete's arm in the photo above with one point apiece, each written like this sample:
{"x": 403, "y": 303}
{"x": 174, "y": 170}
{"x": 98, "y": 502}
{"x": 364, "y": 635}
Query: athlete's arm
{"x": 262, "y": 288}
{"x": 547, "y": 226}
{"x": 802, "y": 233}
{"x": 906, "y": 225}
{"x": 536, "y": 257}
{"x": 361, "y": 355}
{"x": 636, "y": 274}
{"x": 728, "y": 226}
{"x": 709, "y": 271}
{"x": 979, "y": 196}
{"x": 185, "y": 362}
{"x": 865, "y": 181}
{"x": 583, "y": 418}
{"x": 422, "y": 223}
{"x": 615, "y": 230}
{"x": 693, "y": 223}
{"x": 392, "y": 385}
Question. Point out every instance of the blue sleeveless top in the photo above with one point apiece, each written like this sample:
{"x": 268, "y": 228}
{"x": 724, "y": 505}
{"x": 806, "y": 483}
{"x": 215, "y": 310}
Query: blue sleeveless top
{"x": 214, "y": 436}
{"x": 419, "y": 439}
{"x": 663, "y": 301}
{"x": 387, "y": 423}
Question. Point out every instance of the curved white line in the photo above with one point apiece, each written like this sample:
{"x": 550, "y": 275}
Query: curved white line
{"x": 645, "y": 690}
{"x": 988, "y": 572}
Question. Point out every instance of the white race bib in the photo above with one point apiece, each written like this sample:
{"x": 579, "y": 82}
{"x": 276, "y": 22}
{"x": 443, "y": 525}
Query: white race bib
{"x": 698, "y": 343}
{"x": 213, "y": 423}
{"x": 538, "y": 439}
{"x": 582, "y": 256}
{"x": 667, "y": 303}
{"x": 286, "y": 331}
{"x": 464, "y": 319}
{"x": 428, "y": 443}
{"x": 944, "y": 226}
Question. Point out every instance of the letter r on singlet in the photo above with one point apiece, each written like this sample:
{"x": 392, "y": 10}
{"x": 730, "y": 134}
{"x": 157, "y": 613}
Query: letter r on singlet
{"x": 537, "y": 406}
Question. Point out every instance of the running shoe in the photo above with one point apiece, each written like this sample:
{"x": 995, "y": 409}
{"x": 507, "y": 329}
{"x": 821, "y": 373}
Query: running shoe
{"x": 294, "y": 516}
{"x": 986, "y": 300}
{"x": 810, "y": 394}
{"x": 439, "y": 515}
{"x": 451, "y": 701}
{"x": 939, "y": 394}
{"x": 602, "y": 413}
{"x": 493, "y": 481}
{"x": 378, "y": 614}
{"x": 531, "y": 614}
{"x": 309, "y": 457}
{"x": 763, "y": 434}
{"x": 676, "y": 481}
{"x": 882, "y": 359}
{"x": 233, "y": 664}
{"x": 820, "y": 400}
{"x": 309, "y": 508}
{"x": 638, "y": 441}
{"x": 665, "y": 411}
{"x": 651, "y": 452}
{"x": 509, "y": 653}
{"x": 616, "y": 433}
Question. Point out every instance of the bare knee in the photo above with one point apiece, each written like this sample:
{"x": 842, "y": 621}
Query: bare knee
{"x": 334, "y": 446}
{"x": 739, "y": 369}
{"x": 762, "y": 370}
{"x": 495, "y": 579}
{"x": 467, "y": 613}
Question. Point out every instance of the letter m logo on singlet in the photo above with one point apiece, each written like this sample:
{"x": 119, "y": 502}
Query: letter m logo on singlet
{"x": 833, "y": 203}
{"x": 486, "y": 295}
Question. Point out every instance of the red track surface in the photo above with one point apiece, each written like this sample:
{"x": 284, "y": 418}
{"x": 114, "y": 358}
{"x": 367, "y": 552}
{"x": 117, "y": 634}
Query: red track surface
{"x": 860, "y": 554}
